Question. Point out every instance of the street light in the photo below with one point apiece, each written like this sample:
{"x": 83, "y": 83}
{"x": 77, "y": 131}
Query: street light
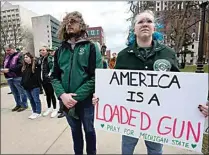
{"x": 200, "y": 64}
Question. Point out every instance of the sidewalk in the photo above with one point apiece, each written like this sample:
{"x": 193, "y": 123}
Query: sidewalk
{"x": 46, "y": 135}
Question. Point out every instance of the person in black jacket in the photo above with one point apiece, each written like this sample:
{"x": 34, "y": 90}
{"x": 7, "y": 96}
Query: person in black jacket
{"x": 31, "y": 83}
{"x": 46, "y": 83}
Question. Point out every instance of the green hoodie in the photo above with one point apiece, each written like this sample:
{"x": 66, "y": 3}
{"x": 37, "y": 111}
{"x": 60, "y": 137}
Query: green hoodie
{"x": 74, "y": 70}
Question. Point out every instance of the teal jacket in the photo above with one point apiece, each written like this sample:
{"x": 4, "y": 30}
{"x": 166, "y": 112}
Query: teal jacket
{"x": 74, "y": 71}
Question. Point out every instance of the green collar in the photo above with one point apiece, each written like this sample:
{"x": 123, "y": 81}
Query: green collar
{"x": 155, "y": 44}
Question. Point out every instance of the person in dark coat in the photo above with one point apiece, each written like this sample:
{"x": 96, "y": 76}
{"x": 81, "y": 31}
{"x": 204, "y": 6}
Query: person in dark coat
{"x": 31, "y": 83}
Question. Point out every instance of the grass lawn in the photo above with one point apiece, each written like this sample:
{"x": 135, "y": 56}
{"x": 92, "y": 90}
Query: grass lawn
{"x": 192, "y": 68}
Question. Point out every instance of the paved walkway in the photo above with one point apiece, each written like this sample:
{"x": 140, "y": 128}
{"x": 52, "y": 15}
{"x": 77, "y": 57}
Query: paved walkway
{"x": 46, "y": 135}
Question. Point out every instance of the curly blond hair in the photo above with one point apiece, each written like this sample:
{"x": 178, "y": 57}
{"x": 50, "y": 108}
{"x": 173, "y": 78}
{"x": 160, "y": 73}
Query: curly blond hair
{"x": 77, "y": 16}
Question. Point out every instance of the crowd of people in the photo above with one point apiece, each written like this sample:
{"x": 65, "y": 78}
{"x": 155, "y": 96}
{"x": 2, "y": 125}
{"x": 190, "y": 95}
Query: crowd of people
{"x": 70, "y": 73}
{"x": 26, "y": 76}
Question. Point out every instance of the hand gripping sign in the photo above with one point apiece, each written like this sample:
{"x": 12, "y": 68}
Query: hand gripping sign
{"x": 160, "y": 107}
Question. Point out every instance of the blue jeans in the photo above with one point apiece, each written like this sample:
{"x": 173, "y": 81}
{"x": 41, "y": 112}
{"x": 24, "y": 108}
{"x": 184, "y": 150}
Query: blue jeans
{"x": 33, "y": 96}
{"x": 129, "y": 143}
{"x": 86, "y": 117}
{"x": 18, "y": 91}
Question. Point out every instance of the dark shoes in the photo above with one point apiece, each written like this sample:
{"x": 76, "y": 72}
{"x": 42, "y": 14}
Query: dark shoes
{"x": 21, "y": 109}
{"x": 61, "y": 115}
{"x": 9, "y": 93}
{"x": 18, "y": 109}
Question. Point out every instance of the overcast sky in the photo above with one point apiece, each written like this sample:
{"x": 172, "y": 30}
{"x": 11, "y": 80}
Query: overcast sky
{"x": 110, "y": 15}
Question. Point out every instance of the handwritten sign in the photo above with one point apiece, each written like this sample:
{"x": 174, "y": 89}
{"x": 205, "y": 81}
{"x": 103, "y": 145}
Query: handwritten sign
{"x": 161, "y": 107}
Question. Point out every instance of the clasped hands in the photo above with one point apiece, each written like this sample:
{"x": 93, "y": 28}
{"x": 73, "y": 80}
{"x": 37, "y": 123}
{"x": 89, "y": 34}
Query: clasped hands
{"x": 68, "y": 100}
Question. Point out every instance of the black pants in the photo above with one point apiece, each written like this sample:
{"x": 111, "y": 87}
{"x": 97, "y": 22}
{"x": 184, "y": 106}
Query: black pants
{"x": 50, "y": 97}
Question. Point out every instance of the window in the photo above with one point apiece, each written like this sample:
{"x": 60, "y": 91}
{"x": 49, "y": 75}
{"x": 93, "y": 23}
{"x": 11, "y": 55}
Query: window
{"x": 165, "y": 3}
{"x": 49, "y": 41}
{"x": 97, "y": 32}
{"x": 9, "y": 15}
{"x": 17, "y": 10}
{"x": 158, "y": 4}
{"x": 193, "y": 46}
{"x": 165, "y": 8}
{"x": 47, "y": 26}
{"x": 47, "y": 31}
{"x": 48, "y": 36}
{"x": 92, "y": 32}
{"x": 158, "y": 9}
{"x": 17, "y": 15}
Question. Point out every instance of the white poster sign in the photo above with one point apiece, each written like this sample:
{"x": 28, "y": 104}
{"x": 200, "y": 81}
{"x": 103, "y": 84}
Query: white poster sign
{"x": 159, "y": 106}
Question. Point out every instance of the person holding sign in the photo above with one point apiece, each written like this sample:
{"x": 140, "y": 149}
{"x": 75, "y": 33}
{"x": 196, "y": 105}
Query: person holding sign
{"x": 74, "y": 79}
{"x": 146, "y": 53}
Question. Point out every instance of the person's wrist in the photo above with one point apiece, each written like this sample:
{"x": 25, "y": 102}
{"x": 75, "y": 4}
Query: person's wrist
{"x": 61, "y": 96}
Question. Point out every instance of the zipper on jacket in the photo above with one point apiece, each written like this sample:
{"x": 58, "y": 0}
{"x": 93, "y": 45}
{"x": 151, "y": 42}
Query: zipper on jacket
{"x": 71, "y": 64}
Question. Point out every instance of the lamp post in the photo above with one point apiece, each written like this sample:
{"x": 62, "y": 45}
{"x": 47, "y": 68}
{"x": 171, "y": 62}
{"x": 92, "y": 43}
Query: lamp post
{"x": 203, "y": 6}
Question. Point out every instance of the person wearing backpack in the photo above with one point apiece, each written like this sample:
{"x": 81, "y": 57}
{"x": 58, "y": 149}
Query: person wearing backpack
{"x": 73, "y": 79}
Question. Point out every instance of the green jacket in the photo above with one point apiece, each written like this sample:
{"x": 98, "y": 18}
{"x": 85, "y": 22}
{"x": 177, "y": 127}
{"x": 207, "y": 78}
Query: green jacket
{"x": 160, "y": 57}
{"x": 50, "y": 63}
{"x": 74, "y": 70}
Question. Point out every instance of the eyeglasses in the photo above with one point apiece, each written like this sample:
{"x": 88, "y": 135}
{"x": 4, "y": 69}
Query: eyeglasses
{"x": 72, "y": 21}
{"x": 149, "y": 21}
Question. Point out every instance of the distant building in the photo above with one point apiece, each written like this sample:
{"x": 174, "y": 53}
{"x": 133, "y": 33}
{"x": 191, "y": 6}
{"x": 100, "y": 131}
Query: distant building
{"x": 45, "y": 32}
{"x": 96, "y": 34}
{"x": 18, "y": 21}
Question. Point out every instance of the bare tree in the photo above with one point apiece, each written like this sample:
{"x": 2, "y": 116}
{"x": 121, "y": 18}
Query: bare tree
{"x": 139, "y": 6}
{"x": 178, "y": 17}
{"x": 13, "y": 32}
